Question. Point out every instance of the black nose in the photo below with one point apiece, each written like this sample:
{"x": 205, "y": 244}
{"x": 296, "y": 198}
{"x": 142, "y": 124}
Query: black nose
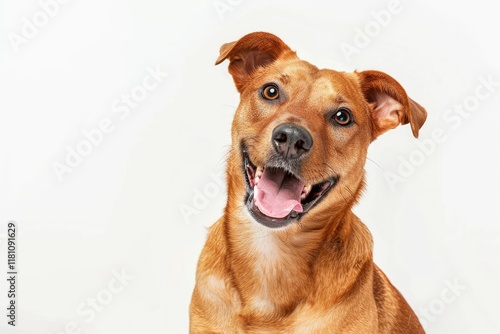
{"x": 291, "y": 140}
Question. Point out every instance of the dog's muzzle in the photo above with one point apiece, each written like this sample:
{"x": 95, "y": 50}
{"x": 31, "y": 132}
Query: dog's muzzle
{"x": 276, "y": 195}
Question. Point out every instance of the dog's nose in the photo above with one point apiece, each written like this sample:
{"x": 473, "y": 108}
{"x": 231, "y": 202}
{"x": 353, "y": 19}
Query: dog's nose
{"x": 291, "y": 140}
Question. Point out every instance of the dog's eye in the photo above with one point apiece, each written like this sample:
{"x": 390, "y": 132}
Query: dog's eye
{"x": 270, "y": 92}
{"x": 342, "y": 117}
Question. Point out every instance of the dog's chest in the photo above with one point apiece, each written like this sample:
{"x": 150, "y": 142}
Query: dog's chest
{"x": 278, "y": 273}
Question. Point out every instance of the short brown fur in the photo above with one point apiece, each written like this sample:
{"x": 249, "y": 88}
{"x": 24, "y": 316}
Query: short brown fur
{"x": 315, "y": 275}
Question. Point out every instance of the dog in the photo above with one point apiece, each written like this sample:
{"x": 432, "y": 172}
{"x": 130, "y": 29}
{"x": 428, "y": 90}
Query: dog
{"x": 289, "y": 255}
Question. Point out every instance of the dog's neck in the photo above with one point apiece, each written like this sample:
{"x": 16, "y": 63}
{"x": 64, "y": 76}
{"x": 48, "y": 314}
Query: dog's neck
{"x": 274, "y": 269}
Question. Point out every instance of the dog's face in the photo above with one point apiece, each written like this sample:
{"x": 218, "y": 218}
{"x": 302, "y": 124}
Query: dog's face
{"x": 300, "y": 134}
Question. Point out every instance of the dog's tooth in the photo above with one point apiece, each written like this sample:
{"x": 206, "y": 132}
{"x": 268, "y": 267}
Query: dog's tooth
{"x": 307, "y": 189}
{"x": 258, "y": 174}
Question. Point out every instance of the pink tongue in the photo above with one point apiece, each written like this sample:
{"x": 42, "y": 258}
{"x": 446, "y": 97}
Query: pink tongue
{"x": 278, "y": 193}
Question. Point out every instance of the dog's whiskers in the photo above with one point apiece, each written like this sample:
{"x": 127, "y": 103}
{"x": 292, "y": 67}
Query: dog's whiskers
{"x": 350, "y": 191}
{"x": 331, "y": 168}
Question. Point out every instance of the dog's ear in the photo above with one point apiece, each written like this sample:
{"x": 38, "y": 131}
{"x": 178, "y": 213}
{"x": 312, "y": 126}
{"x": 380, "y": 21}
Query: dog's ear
{"x": 390, "y": 104}
{"x": 258, "y": 49}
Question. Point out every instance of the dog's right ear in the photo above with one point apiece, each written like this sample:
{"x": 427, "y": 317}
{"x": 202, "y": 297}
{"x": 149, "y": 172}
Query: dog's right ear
{"x": 258, "y": 49}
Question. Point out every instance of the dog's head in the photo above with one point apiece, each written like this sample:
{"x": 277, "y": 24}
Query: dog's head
{"x": 300, "y": 134}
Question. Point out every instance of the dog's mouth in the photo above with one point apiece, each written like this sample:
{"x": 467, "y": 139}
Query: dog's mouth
{"x": 276, "y": 197}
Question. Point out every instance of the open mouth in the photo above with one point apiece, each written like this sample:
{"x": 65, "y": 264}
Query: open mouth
{"x": 276, "y": 197}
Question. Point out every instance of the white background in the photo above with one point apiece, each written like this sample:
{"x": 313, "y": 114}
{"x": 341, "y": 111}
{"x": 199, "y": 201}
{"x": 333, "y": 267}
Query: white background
{"x": 120, "y": 209}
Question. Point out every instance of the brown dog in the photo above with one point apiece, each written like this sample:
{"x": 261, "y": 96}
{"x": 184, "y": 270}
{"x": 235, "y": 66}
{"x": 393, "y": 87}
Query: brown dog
{"x": 289, "y": 255}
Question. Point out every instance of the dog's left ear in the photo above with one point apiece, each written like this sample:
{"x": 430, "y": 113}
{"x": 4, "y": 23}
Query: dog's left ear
{"x": 390, "y": 104}
{"x": 246, "y": 55}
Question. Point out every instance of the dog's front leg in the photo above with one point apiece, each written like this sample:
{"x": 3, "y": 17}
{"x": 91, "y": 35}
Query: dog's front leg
{"x": 210, "y": 311}
{"x": 215, "y": 304}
